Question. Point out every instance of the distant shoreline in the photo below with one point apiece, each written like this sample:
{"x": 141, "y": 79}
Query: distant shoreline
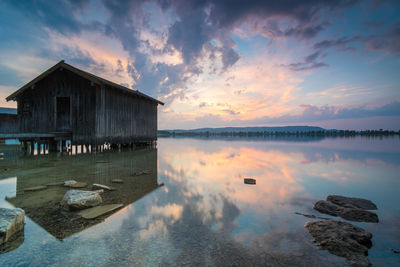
{"x": 300, "y": 131}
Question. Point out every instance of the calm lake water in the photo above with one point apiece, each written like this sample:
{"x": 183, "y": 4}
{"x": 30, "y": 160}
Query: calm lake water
{"x": 186, "y": 203}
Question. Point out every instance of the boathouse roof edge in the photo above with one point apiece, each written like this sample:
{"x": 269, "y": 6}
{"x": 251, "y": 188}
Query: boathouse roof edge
{"x": 91, "y": 77}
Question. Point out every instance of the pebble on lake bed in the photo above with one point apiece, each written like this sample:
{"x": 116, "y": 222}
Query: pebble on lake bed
{"x": 101, "y": 186}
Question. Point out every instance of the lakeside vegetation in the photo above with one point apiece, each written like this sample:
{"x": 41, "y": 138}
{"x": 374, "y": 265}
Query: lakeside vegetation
{"x": 283, "y": 131}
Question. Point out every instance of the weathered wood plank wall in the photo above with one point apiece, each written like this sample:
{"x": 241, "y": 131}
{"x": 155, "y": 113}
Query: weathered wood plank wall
{"x": 98, "y": 113}
{"x": 39, "y": 116}
{"x": 124, "y": 118}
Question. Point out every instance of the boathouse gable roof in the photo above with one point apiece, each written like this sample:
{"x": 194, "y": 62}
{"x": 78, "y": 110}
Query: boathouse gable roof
{"x": 91, "y": 77}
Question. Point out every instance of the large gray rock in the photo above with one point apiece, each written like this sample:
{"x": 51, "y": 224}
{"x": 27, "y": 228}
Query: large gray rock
{"x": 342, "y": 239}
{"x": 79, "y": 199}
{"x": 11, "y": 222}
{"x": 349, "y": 212}
{"x": 360, "y": 203}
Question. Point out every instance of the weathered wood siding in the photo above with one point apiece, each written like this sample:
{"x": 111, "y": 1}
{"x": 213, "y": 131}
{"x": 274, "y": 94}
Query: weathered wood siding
{"x": 8, "y": 123}
{"x": 124, "y": 118}
{"x": 98, "y": 113}
{"x": 37, "y": 105}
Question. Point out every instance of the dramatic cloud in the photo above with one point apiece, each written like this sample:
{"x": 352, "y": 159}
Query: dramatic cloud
{"x": 389, "y": 41}
{"x": 340, "y": 43}
{"x": 309, "y": 63}
{"x": 224, "y": 61}
{"x": 313, "y": 113}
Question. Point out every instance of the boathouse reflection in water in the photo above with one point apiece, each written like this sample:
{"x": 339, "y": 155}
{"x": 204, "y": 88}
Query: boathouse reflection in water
{"x": 137, "y": 169}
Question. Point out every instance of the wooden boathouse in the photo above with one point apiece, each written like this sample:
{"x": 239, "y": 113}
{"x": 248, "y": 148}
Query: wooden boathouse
{"x": 66, "y": 103}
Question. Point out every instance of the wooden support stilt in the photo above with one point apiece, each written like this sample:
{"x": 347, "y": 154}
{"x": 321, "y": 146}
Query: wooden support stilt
{"x": 32, "y": 144}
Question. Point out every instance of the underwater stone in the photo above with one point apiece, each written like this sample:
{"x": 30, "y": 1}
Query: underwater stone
{"x": 358, "y": 215}
{"x": 70, "y": 182}
{"x": 78, "y": 185}
{"x": 11, "y": 222}
{"x": 342, "y": 239}
{"x": 35, "y": 188}
{"x": 101, "y": 186}
{"x": 352, "y": 202}
{"x": 79, "y": 199}
{"x": 95, "y": 212}
{"x": 349, "y": 212}
{"x": 327, "y": 207}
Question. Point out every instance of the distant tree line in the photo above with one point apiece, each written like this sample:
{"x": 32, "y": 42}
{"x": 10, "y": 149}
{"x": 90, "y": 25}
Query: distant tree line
{"x": 321, "y": 133}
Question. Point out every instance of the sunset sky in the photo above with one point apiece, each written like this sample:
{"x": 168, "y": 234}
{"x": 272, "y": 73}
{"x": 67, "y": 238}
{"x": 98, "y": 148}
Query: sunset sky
{"x": 331, "y": 63}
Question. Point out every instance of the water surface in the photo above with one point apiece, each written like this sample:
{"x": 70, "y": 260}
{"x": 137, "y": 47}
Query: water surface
{"x": 191, "y": 206}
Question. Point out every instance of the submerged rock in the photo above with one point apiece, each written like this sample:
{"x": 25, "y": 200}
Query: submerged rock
{"x": 348, "y": 212}
{"x": 78, "y": 185}
{"x": 327, "y": 207}
{"x": 342, "y": 239}
{"x": 11, "y": 222}
{"x": 360, "y": 203}
{"x": 95, "y": 212}
{"x": 55, "y": 184}
{"x": 359, "y": 215}
{"x": 75, "y": 184}
{"x": 101, "y": 186}
{"x": 79, "y": 199}
{"x": 70, "y": 182}
{"x": 35, "y": 188}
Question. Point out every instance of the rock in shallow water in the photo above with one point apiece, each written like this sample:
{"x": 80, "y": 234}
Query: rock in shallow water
{"x": 79, "y": 199}
{"x": 249, "y": 181}
{"x": 327, "y": 207}
{"x": 342, "y": 239}
{"x": 348, "y": 212}
{"x": 95, "y": 212}
{"x": 360, "y": 203}
{"x": 69, "y": 182}
{"x": 11, "y": 222}
{"x": 101, "y": 186}
{"x": 359, "y": 215}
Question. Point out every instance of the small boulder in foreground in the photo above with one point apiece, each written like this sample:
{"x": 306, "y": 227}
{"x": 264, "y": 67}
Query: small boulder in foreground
{"x": 342, "y": 239}
{"x": 11, "y": 222}
{"x": 79, "y": 199}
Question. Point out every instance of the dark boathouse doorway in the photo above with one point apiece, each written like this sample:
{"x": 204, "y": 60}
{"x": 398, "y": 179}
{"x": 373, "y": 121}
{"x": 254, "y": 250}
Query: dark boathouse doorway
{"x": 63, "y": 114}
